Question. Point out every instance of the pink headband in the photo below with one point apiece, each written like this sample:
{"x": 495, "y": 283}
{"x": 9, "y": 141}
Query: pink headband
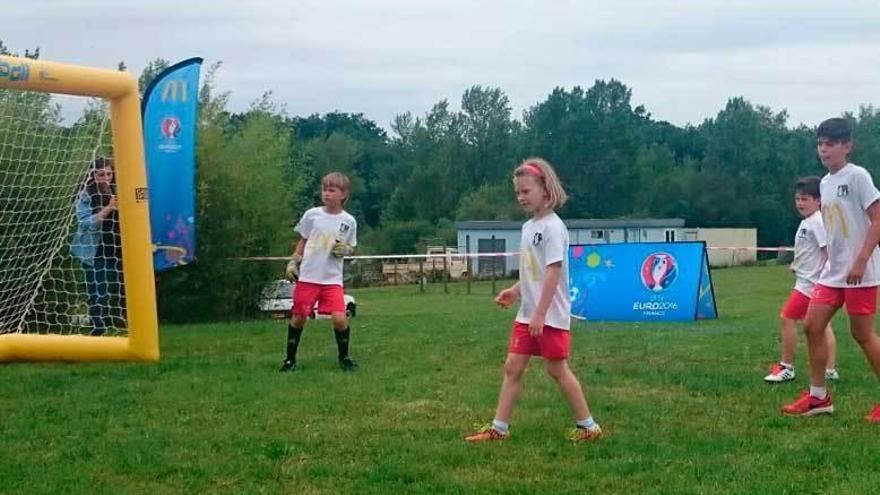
{"x": 533, "y": 169}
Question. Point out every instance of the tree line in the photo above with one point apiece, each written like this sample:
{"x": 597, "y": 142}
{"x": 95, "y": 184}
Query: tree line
{"x": 259, "y": 169}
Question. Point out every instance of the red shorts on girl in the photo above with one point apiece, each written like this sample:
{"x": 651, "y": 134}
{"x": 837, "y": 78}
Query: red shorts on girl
{"x": 552, "y": 343}
{"x": 795, "y": 307}
{"x": 330, "y": 298}
{"x": 860, "y": 301}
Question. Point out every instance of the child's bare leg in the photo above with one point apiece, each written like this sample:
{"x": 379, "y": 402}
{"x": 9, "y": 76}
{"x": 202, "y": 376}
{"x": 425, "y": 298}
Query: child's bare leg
{"x": 511, "y": 386}
{"x": 862, "y": 328}
{"x": 558, "y": 369}
{"x": 298, "y": 321}
{"x": 818, "y": 317}
{"x": 831, "y": 345}
{"x": 339, "y": 321}
{"x": 788, "y": 334}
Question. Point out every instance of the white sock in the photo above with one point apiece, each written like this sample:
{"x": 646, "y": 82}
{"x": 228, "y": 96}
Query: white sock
{"x": 588, "y": 423}
{"x": 787, "y": 365}
{"x": 818, "y": 392}
{"x": 500, "y": 426}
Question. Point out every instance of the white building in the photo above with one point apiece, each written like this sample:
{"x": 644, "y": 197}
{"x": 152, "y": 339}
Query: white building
{"x": 727, "y": 247}
{"x": 493, "y": 236}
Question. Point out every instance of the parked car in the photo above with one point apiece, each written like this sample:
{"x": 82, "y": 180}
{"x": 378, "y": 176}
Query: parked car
{"x": 277, "y": 301}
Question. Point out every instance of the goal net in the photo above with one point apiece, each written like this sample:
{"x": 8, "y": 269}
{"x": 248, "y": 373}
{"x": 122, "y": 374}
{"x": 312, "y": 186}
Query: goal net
{"x": 59, "y": 229}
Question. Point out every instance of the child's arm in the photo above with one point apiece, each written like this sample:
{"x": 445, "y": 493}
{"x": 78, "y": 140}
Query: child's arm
{"x": 552, "y": 274}
{"x": 300, "y": 247}
{"x": 292, "y": 270}
{"x": 508, "y": 296}
{"x": 872, "y": 239}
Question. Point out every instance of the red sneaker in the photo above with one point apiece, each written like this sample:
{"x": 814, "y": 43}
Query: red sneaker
{"x": 874, "y": 415}
{"x": 807, "y": 405}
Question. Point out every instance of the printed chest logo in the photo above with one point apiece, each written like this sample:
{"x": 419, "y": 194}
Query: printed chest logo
{"x": 802, "y": 233}
{"x": 344, "y": 227}
{"x": 537, "y": 239}
{"x": 842, "y": 190}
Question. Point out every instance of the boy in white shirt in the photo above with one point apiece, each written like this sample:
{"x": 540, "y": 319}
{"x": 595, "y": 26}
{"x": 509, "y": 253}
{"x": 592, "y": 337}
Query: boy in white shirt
{"x": 809, "y": 258}
{"x": 851, "y": 211}
{"x": 328, "y": 234}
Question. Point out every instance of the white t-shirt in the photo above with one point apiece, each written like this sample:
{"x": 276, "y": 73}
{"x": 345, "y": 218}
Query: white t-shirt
{"x": 846, "y": 195}
{"x": 321, "y": 231}
{"x": 544, "y": 241}
{"x": 808, "y": 257}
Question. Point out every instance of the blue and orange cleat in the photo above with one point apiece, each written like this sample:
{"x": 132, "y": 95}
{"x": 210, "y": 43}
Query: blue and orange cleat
{"x": 485, "y": 434}
{"x": 585, "y": 434}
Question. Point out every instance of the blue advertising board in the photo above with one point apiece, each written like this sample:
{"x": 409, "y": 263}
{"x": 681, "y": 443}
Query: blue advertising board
{"x": 641, "y": 282}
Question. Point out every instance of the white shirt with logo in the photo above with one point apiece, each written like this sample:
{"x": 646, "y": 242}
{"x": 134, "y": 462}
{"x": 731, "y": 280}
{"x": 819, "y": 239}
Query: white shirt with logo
{"x": 808, "y": 256}
{"x": 321, "y": 231}
{"x": 846, "y": 196}
{"x": 544, "y": 242}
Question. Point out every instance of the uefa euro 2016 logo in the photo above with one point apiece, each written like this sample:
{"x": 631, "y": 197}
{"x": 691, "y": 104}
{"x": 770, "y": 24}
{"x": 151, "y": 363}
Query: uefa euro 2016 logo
{"x": 659, "y": 271}
{"x": 170, "y": 127}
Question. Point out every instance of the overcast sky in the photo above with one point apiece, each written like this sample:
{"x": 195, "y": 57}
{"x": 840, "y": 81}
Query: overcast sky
{"x": 682, "y": 59}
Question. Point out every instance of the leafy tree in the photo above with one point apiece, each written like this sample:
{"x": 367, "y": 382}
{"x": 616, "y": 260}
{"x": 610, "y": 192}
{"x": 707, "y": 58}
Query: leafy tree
{"x": 154, "y": 68}
{"x": 590, "y": 136}
{"x": 490, "y": 202}
{"x": 244, "y": 188}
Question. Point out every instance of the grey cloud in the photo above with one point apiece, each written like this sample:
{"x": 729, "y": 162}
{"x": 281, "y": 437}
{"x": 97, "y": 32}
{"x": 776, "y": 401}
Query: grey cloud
{"x": 682, "y": 58}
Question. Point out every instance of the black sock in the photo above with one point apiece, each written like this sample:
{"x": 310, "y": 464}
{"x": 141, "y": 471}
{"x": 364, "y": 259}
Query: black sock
{"x": 293, "y": 337}
{"x": 342, "y": 337}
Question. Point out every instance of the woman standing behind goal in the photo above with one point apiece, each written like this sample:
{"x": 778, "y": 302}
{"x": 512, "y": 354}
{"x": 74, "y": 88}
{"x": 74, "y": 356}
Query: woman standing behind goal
{"x": 96, "y": 242}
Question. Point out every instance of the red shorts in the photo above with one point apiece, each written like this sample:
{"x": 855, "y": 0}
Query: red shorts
{"x": 553, "y": 343}
{"x": 860, "y": 301}
{"x": 795, "y": 307}
{"x": 330, "y": 298}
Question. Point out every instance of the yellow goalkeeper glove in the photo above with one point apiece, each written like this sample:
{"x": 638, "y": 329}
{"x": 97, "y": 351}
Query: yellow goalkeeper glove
{"x": 292, "y": 271}
{"x": 341, "y": 249}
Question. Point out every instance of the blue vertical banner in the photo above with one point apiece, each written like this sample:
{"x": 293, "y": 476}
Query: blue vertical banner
{"x": 169, "y": 113}
{"x": 641, "y": 282}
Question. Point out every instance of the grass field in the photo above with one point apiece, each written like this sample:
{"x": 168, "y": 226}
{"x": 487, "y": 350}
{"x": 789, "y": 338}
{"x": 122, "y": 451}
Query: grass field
{"x": 684, "y": 406}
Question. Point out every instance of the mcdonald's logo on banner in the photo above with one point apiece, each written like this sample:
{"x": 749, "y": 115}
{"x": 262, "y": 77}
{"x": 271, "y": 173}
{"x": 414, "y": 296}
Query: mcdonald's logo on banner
{"x": 173, "y": 87}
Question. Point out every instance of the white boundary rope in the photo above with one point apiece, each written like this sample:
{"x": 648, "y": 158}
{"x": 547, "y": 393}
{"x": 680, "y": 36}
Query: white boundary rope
{"x": 391, "y": 256}
{"x": 780, "y": 249}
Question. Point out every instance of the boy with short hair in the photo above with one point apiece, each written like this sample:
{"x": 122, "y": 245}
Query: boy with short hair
{"x": 809, "y": 258}
{"x": 851, "y": 211}
{"x": 328, "y": 234}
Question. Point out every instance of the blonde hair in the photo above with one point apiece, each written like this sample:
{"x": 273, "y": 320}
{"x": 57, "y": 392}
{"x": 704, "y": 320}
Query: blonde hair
{"x": 337, "y": 179}
{"x": 543, "y": 173}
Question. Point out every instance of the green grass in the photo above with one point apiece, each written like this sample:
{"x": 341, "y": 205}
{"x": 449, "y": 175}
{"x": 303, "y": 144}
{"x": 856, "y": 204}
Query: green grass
{"x": 684, "y": 406}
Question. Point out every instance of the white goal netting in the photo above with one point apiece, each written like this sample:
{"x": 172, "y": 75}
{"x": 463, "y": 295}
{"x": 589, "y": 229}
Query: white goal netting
{"x": 60, "y": 249}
